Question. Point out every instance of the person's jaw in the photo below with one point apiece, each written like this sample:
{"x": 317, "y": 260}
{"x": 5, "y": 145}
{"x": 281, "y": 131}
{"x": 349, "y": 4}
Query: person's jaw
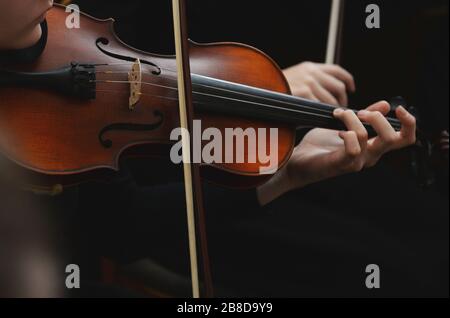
{"x": 27, "y": 39}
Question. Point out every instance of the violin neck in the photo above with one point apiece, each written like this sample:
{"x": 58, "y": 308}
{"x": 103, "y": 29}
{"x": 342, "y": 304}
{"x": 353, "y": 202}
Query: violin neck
{"x": 226, "y": 98}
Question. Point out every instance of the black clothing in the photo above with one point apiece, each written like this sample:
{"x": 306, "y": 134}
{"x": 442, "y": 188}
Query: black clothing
{"x": 315, "y": 242}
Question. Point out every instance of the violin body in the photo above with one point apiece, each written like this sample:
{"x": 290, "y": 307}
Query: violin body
{"x": 65, "y": 139}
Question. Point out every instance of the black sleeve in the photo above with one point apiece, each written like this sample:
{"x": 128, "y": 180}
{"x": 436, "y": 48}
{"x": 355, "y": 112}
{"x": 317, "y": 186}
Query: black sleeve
{"x": 126, "y": 221}
{"x": 230, "y": 204}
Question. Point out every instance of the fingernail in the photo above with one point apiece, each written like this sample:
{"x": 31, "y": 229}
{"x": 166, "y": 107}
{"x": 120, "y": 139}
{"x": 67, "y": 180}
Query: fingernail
{"x": 363, "y": 113}
{"x": 338, "y": 111}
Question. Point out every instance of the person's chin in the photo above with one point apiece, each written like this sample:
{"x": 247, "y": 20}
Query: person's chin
{"x": 30, "y": 38}
{"x": 41, "y": 18}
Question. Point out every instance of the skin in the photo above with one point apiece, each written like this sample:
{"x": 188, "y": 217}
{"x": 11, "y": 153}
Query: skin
{"x": 325, "y": 154}
{"x": 321, "y": 82}
{"x": 321, "y": 155}
{"x": 20, "y": 22}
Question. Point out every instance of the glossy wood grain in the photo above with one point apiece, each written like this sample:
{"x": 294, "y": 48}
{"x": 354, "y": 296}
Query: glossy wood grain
{"x": 55, "y": 135}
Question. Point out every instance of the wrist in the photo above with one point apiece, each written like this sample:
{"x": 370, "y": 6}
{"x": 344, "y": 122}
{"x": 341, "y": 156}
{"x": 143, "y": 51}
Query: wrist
{"x": 277, "y": 186}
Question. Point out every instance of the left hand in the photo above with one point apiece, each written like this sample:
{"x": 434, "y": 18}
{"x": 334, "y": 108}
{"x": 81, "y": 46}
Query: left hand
{"x": 321, "y": 82}
{"x": 325, "y": 154}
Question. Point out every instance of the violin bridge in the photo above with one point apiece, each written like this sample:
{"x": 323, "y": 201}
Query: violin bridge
{"x": 135, "y": 79}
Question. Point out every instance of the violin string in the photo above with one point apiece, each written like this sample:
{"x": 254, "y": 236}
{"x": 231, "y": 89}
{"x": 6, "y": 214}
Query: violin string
{"x": 315, "y": 109}
{"x": 205, "y": 86}
{"x": 312, "y": 122}
{"x": 142, "y": 94}
{"x": 395, "y": 123}
{"x": 215, "y": 88}
{"x": 226, "y": 98}
{"x": 309, "y": 121}
{"x": 326, "y": 115}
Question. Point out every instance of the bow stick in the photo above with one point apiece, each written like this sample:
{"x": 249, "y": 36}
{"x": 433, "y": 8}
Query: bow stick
{"x": 335, "y": 33}
{"x": 194, "y": 201}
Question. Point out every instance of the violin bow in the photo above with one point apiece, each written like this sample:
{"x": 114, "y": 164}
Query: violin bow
{"x": 336, "y": 32}
{"x": 192, "y": 182}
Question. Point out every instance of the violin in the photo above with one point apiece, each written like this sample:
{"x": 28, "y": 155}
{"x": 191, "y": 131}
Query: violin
{"x": 90, "y": 100}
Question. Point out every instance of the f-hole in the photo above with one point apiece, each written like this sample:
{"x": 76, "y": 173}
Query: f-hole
{"x": 108, "y": 143}
{"x": 104, "y": 42}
